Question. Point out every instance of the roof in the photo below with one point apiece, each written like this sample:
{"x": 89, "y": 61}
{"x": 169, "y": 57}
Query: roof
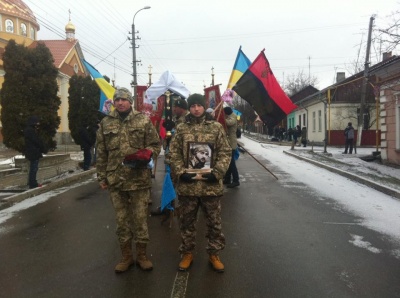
{"x": 19, "y": 9}
{"x": 306, "y": 91}
{"x": 384, "y": 63}
{"x": 58, "y": 48}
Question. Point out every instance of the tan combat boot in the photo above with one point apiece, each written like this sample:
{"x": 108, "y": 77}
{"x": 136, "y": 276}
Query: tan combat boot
{"x": 216, "y": 263}
{"x": 141, "y": 259}
{"x": 127, "y": 257}
{"x": 186, "y": 261}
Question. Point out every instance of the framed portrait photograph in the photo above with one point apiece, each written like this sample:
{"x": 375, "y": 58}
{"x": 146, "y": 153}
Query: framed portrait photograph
{"x": 199, "y": 157}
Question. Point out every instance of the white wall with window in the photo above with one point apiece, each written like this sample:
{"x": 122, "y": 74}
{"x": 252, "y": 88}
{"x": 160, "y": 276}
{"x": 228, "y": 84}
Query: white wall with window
{"x": 319, "y": 120}
{"x": 314, "y": 121}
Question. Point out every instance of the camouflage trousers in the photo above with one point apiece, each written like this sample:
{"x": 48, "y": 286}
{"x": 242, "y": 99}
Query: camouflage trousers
{"x": 131, "y": 208}
{"x": 188, "y": 209}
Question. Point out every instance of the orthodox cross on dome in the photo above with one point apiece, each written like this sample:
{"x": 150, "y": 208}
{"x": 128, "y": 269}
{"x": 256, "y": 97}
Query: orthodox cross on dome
{"x": 70, "y": 28}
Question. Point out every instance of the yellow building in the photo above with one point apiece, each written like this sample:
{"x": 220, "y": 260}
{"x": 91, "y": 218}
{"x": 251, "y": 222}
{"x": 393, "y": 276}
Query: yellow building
{"x": 18, "y": 22}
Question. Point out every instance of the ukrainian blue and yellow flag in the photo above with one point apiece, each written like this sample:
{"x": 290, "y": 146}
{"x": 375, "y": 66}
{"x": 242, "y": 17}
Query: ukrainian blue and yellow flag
{"x": 239, "y": 68}
{"x": 107, "y": 91}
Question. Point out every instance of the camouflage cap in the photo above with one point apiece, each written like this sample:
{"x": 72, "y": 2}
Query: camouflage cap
{"x": 123, "y": 93}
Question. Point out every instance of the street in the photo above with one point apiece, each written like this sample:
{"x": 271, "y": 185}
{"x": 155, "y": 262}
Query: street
{"x": 283, "y": 240}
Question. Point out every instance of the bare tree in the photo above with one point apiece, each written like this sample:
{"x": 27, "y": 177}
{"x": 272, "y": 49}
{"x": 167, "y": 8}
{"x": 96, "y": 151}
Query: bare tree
{"x": 389, "y": 36}
{"x": 296, "y": 82}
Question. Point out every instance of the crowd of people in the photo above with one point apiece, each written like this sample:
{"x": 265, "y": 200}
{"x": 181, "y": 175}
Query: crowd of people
{"x": 297, "y": 135}
{"x": 202, "y": 158}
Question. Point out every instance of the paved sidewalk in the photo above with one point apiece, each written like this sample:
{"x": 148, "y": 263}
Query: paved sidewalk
{"x": 375, "y": 174}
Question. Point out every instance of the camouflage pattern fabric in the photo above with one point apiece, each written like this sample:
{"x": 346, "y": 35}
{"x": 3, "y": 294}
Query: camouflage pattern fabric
{"x": 211, "y": 207}
{"x": 131, "y": 214}
{"x": 231, "y": 125}
{"x": 199, "y": 130}
{"x": 117, "y": 138}
{"x": 181, "y": 119}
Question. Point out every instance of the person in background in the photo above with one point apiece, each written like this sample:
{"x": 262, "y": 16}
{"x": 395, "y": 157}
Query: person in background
{"x": 349, "y": 138}
{"x": 88, "y": 138}
{"x": 304, "y": 136}
{"x": 127, "y": 141}
{"x": 179, "y": 110}
{"x": 34, "y": 147}
{"x": 231, "y": 124}
{"x": 201, "y": 193}
{"x": 289, "y": 134}
{"x": 296, "y": 134}
{"x": 96, "y": 127}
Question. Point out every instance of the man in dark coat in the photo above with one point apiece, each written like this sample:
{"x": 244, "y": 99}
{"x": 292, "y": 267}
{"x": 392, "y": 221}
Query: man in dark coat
{"x": 88, "y": 138}
{"x": 349, "y": 135}
{"x": 34, "y": 148}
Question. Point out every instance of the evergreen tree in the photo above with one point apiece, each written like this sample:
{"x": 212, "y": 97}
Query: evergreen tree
{"x": 84, "y": 101}
{"x": 29, "y": 88}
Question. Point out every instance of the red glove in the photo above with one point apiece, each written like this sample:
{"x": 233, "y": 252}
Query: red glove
{"x": 142, "y": 154}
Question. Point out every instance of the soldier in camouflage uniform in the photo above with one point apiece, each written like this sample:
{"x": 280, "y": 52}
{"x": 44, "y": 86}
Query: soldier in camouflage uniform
{"x": 180, "y": 110}
{"x": 124, "y": 135}
{"x": 200, "y": 127}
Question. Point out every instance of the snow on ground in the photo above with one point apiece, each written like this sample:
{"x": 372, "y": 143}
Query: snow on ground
{"x": 25, "y": 204}
{"x": 377, "y": 211}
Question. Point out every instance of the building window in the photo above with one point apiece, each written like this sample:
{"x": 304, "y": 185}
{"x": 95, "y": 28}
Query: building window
{"x": 304, "y": 119}
{"x": 314, "y": 120}
{"x": 76, "y": 68}
{"x": 9, "y": 26}
{"x": 32, "y": 33}
{"x": 319, "y": 120}
{"x": 299, "y": 119}
{"x": 23, "y": 29}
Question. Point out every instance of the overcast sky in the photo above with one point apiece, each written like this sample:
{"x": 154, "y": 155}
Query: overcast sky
{"x": 188, "y": 38}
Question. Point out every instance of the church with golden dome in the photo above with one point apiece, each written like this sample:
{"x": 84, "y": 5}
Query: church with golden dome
{"x": 18, "y": 22}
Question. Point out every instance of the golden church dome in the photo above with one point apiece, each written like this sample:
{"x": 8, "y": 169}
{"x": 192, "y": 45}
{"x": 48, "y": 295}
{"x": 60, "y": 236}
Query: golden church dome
{"x": 19, "y": 9}
{"x": 69, "y": 27}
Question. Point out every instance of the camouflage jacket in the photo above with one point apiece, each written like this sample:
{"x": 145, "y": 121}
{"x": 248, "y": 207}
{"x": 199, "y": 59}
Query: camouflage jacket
{"x": 117, "y": 138}
{"x": 181, "y": 119}
{"x": 200, "y": 130}
{"x": 231, "y": 125}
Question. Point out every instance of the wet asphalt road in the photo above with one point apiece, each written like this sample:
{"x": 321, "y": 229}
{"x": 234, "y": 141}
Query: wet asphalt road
{"x": 283, "y": 240}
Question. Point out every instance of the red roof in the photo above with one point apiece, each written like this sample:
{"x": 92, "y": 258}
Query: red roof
{"x": 18, "y": 9}
{"x": 58, "y": 48}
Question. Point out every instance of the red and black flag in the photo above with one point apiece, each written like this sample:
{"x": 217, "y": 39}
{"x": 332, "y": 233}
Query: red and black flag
{"x": 259, "y": 87}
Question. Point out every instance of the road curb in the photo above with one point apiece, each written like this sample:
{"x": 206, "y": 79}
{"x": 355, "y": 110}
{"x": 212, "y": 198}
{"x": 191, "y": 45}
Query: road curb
{"x": 384, "y": 189}
{"x": 10, "y": 201}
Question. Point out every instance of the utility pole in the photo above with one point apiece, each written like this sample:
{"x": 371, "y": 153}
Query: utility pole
{"x": 134, "y": 61}
{"x": 212, "y": 76}
{"x": 150, "y": 75}
{"x": 364, "y": 84}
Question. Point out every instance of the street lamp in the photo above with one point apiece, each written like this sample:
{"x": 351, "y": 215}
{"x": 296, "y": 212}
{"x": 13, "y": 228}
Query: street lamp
{"x": 134, "y": 82}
